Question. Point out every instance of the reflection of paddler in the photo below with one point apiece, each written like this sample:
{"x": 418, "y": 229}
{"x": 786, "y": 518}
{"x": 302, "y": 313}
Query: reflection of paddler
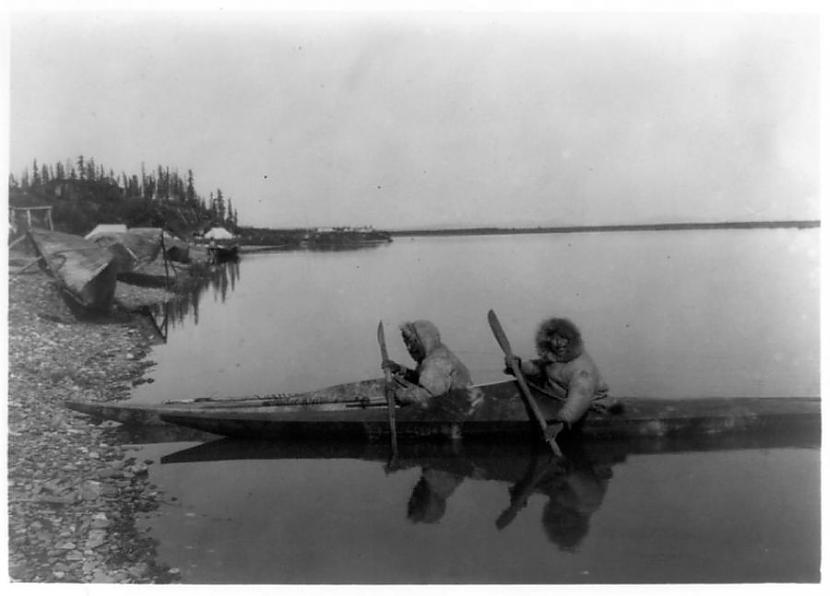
{"x": 573, "y": 497}
{"x": 575, "y": 487}
{"x": 429, "y": 497}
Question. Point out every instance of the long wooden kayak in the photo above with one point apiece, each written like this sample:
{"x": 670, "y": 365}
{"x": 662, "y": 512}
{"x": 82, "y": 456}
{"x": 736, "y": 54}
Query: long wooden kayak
{"x": 86, "y": 271}
{"x": 358, "y": 411}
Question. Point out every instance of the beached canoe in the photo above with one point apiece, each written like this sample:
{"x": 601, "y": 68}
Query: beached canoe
{"x": 358, "y": 411}
{"x": 142, "y": 255}
{"x": 86, "y": 271}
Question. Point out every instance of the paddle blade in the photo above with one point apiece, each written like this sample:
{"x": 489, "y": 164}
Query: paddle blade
{"x": 382, "y": 342}
{"x": 498, "y": 332}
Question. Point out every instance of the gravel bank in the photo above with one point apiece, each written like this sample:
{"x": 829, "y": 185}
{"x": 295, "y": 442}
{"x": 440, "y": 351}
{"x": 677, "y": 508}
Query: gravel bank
{"x": 74, "y": 489}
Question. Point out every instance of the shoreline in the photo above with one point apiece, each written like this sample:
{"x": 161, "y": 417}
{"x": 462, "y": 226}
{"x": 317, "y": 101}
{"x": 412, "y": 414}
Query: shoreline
{"x": 661, "y": 227}
{"x": 75, "y": 490}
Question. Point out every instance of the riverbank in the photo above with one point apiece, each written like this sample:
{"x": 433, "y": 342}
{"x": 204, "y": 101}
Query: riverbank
{"x": 75, "y": 491}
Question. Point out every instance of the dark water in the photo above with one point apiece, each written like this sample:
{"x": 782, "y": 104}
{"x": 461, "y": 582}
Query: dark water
{"x": 664, "y": 314}
{"x": 279, "y": 515}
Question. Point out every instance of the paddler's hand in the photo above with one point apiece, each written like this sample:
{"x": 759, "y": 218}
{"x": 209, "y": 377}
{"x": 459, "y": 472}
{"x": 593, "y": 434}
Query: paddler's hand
{"x": 392, "y": 367}
{"x": 508, "y": 369}
{"x": 401, "y": 382}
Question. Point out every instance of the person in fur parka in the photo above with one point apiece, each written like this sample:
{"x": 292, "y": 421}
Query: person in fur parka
{"x": 565, "y": 369}
{"x": 438, "y": 370}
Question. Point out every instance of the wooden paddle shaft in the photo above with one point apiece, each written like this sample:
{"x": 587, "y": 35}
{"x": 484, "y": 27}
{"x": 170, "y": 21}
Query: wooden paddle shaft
{"x": 390, "y": 396}
{"x": 501, "y": 338}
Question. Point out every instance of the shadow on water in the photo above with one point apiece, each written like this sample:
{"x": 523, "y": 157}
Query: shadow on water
{"x": 220, "y": 278}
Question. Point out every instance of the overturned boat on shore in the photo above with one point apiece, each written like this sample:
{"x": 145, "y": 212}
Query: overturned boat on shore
{"x": 142, "y": 255}
{"x": 85, "y": 271}
{"x": 493, "y": 411}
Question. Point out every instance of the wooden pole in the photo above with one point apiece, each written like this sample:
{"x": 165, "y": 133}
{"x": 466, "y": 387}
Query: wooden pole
{"x": 164, "y": 259}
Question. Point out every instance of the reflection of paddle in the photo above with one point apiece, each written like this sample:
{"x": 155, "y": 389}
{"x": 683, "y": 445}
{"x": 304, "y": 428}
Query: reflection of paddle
{"x": 388, "y": 389}
{"x": 519, "y": 500}
{"x": 549, "y": 432}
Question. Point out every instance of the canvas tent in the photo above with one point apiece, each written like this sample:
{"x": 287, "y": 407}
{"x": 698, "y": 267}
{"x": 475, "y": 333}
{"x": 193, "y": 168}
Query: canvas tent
{"x": 106, "y": 229}
{"x": 218, "y": 234}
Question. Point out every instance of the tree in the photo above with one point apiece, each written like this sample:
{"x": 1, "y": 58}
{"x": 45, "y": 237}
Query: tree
{"x": 162, "y": 187}
{"x": 190, "y": 192}
{"x": 134, "y": 188}
{"x": 90, "y": 170}
{"x": 220, "y": 205}
{"x": 149, "y": 186}
{"x": 229, "y": 218}
{"x": 124, "y": 197}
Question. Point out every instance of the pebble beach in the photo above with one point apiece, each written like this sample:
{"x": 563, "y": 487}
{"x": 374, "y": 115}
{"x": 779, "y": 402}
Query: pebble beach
{"x": 75, "y": 488}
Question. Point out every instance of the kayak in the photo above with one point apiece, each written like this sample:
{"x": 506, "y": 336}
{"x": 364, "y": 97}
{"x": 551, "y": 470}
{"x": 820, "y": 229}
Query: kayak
{"x": 488, "y": 411}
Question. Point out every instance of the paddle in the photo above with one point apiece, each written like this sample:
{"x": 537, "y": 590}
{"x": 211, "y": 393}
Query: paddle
{"x": 548, "y": 432}
{"x": 388, "y": 389}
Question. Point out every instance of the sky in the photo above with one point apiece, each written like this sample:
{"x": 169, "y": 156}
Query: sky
{"x": 409, "y": 119}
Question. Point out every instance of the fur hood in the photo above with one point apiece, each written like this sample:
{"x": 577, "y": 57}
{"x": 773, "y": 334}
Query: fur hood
{"x": 563, "y": 327}
{"x": 425, "y": 332}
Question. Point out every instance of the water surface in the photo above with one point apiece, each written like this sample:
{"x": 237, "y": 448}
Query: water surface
{"x": 669, "y": 314}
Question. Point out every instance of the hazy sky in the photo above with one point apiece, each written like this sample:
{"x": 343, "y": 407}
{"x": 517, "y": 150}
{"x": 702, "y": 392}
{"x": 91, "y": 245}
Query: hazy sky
{"x": 441, "y": 119}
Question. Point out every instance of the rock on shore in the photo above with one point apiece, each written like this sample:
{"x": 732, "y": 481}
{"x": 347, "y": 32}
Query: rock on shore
{"x": 74, "y": 491}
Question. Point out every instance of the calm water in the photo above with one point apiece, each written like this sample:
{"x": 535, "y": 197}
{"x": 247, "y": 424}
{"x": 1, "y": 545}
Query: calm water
{"x": 670, "y": 314}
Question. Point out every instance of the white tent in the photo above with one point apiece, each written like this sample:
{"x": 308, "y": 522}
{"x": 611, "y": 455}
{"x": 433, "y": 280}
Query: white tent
{"x": 106, "y": 229}
{"x": 218, "y": 234}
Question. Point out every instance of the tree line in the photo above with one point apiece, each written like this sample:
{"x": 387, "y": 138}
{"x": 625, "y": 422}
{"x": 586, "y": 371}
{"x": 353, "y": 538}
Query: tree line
{"x": 83, "y": 193}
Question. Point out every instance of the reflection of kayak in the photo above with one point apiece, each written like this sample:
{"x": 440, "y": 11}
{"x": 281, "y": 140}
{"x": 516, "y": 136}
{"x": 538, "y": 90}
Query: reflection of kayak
{"x": 430, "y": 452}
{"x": 85, "y": 271}
{"x": 357, "y": 410}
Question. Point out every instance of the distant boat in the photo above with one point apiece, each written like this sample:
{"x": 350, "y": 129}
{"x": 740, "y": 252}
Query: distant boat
{"x": 224, "y": 252}
{"x": 86, "y": 271}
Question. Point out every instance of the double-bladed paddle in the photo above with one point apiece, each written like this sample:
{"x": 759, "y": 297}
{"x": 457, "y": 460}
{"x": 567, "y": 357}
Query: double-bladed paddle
{"x": 388, "y": 389}
{"x": 548, "y": 432}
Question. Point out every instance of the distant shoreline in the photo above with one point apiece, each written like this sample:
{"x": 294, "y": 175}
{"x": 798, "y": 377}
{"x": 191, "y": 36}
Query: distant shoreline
{"x": 482, "y": 231}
